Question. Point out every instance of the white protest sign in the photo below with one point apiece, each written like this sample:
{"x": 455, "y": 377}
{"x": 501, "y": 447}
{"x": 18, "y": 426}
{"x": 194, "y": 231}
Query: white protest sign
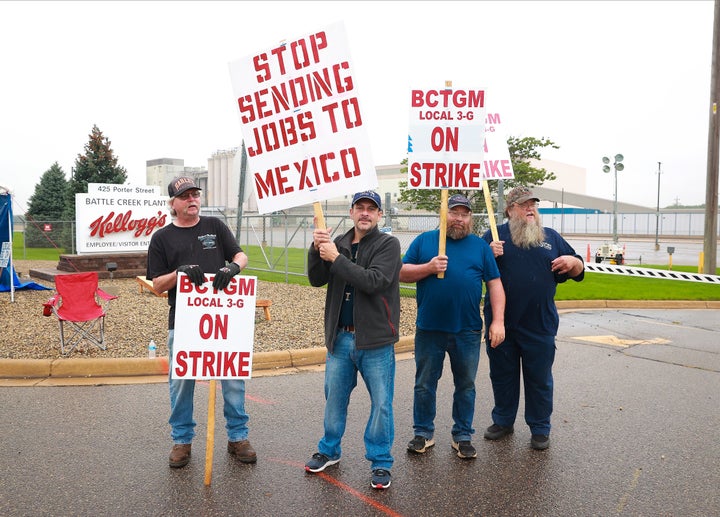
{"x": 496, "y": 162}
{"x": 214, "y": 330}
{"x": 446, "y": 138}
{"x": 118, "y": 218}
{"x": 301, "y": 120}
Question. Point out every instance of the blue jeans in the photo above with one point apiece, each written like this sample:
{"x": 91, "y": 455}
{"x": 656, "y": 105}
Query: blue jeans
{"x": 464, "y": 351}
{"x": 377, "y": 367}
{"x": 533, "y": 355}
{"x": 181, "y": 406}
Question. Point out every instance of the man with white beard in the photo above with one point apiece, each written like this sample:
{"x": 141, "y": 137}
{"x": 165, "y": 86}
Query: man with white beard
{"x": 532, "y": 261}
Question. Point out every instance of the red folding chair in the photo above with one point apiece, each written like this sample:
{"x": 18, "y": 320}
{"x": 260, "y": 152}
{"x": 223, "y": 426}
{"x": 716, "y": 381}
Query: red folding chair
{"x": 76, "y": 304}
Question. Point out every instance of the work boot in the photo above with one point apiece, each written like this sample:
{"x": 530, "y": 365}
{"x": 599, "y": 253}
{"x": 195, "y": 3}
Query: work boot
{"x": 243, "y": 451}
{"x": 180, "y": 455}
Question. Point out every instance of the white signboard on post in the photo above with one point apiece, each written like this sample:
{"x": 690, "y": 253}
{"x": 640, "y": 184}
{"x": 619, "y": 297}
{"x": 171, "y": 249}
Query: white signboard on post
{"x": 113, "y": 218}
{"x": 496, "y": 161}
{"x": 302, "y": 123}
{"x": 446, "y": 138}
{"x": 214, "y": 330}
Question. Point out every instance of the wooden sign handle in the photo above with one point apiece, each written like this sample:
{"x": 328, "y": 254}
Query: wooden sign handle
{"x": 491, "y": 212}
{"x": 443, "y": 226}
{"x": 319, "y": 217}
{"x": 210, "y": 441}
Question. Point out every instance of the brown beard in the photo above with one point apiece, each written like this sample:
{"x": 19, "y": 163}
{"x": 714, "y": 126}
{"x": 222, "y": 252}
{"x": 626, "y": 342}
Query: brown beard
{"x": 458, "y": 233}
{"x": 526, "y": 234}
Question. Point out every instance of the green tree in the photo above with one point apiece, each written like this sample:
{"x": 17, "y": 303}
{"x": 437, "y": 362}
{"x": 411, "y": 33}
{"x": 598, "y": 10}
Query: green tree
{"x": 48, "y": 200}
{"x": 46, "y": 205}
{"x": 522, "y": 150}
{"x": 97, "y": 165}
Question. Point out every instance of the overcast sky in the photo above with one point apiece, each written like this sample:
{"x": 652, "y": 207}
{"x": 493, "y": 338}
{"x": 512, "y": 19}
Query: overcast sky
{"x": 598, "y": 78}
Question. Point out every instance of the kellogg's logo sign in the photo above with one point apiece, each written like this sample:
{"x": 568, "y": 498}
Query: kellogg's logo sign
{"x": 118, "y": 218}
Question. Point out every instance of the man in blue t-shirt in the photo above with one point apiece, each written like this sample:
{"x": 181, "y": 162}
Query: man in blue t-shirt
{"x": 532, "y": 261}
{"x": 448, "y": 321}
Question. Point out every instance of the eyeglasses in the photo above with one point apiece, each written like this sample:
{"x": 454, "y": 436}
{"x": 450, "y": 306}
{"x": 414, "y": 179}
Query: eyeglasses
{"x": 189, "y": 194}
{"x": 528, "y": 204}
{"x": 459, "y": 215}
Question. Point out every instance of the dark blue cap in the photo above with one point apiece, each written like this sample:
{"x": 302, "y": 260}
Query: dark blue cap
{"x": 459, "y": 200}
{"x": 367, "y": 194}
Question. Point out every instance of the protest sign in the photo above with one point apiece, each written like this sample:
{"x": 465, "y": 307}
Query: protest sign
{"x": 496, "y": 160}
{"x": 446, "y": 138}
{"x": 302, "y": 123}
{"x": 214, "y": 330}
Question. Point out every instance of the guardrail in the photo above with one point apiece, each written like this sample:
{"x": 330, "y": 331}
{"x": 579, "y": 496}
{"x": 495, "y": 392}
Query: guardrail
{"x": 652, "y": 273}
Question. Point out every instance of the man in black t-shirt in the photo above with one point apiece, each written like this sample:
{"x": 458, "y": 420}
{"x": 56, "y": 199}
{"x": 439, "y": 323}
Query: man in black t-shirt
{"x": 195, "y": 244}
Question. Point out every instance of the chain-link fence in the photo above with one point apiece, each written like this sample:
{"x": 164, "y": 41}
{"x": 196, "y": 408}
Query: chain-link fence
{"x": 279, "y": 242}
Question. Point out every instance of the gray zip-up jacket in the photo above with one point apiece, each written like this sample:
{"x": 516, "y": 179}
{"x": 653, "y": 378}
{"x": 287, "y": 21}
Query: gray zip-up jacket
{"x": 376, "y": 278}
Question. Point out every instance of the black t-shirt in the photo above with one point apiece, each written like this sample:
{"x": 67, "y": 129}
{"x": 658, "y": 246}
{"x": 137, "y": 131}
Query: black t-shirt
{"x": 346, "y": 309}
{"x": 209, "y": 244}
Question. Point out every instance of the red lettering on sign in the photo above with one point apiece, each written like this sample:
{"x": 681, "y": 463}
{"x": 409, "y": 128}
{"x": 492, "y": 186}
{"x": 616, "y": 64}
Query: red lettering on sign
{"x": 303, "y": 53}
{"x": 447, "y": 98}
{"x": 445, "y": 175}
{"x": 122, "y": 222}
{"x": 209, "y": 363}
{"x": 282, "y": 133}
{"x": 351, "y": 113}
{"x": 184, "y": 284}
{"x": 295, "y": 93}
{"x": 312, "y": 172}
{"x": 497, "y": 169}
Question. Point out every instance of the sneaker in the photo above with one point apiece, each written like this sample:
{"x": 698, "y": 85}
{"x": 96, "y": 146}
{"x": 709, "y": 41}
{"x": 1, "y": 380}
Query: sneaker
{"x": 319, "y": 462}
{"x": 180, "y": 455}
{"x": 243, "y": 451}
{"x": 495, "y": 432}
{"x": 465, "y": 449}
{"x": 420, "y": 444}
{"x": 380, "y": 479}
{"x": 539, "y": 442}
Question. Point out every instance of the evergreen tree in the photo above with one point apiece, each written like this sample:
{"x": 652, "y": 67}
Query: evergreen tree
{"x": 46, "y": 207}
{"x": 48, "y": 200}
{"x": 97, "y": 165}
{"x": 522, "y": 150}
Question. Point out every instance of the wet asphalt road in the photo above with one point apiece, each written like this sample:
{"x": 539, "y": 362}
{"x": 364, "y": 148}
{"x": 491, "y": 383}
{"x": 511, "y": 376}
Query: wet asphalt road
{"x": 635, "y": 432}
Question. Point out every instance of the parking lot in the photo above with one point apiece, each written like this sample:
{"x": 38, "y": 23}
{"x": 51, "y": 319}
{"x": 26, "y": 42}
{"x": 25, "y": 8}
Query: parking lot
{"x": 634, "y": 433}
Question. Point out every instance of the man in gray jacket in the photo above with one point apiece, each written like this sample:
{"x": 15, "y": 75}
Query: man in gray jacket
{"x": 362, "y": 314}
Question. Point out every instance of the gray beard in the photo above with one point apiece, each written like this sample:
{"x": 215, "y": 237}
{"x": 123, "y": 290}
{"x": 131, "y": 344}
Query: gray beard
{"x": 526, "y": 235}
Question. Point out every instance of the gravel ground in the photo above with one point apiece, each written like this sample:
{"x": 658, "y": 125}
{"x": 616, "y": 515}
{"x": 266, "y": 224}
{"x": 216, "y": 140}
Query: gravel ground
{"x": 135, "y": 318}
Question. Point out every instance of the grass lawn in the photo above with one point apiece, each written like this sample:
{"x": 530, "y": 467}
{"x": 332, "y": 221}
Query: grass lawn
{"x": 603, "y": 286}
{"x": 269, "y": 264}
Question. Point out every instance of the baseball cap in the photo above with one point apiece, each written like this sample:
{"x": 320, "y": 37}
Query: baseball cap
{"x": 459, "y": 200}
{"x": 519, "y": 195}
{"x": 367, "y": 194}
{"x": 180, "y": 184}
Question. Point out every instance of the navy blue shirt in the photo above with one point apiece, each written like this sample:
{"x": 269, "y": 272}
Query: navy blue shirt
{"x": 529, "y": 282}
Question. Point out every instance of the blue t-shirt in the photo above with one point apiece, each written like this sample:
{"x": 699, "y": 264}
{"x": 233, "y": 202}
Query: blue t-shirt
{"x": 452, "y": 304}
{"x": 529, "y": 282}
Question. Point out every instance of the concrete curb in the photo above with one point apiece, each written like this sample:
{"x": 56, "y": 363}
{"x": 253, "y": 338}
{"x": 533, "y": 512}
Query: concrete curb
{"x": 67, "y": 368}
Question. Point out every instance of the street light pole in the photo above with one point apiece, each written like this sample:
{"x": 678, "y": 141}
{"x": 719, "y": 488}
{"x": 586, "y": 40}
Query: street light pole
{"x": 615, "y": 237}
{"x": 657, "y": 213}
{"x": 618, "y": 166}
